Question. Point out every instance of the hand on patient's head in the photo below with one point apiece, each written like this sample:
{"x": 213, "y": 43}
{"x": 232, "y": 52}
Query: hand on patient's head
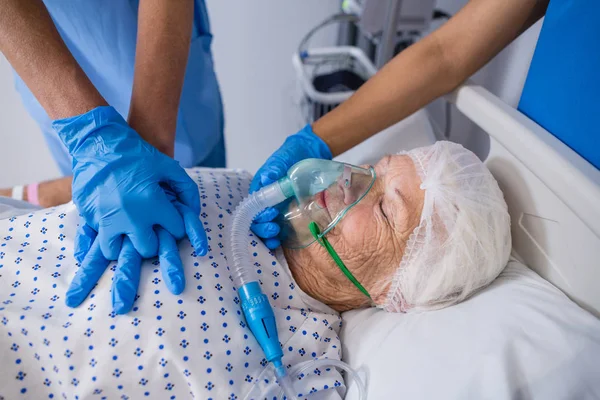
{"x": 432, "y": 231}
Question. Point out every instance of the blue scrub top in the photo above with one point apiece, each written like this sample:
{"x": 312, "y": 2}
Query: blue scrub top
{"x": 101, "y": 35}
{"x": 562, "y": 90}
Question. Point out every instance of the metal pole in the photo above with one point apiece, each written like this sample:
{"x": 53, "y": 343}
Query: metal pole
{"x": 387, "y": 42}
{"x": 347, "y": 34}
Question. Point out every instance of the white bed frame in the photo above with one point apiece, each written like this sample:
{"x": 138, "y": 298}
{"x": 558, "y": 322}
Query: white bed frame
{"x": 553, "y": 195}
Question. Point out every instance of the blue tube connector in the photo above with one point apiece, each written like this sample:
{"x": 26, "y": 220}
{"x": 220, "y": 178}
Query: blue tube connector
{"x": 261, "y": 320}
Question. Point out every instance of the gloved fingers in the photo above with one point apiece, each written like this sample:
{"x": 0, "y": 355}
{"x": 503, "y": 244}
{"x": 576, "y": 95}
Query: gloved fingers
{"x": 272, "y": 243}
{"x": 272, "y": 175}
{"x": 266, "y": 230}
{"x": 193, "y": 228}
{"x": 126, "y": 279}
{"x": 93, "y": 266}
{"x": 266, "y": 215}
{"x": 272, "y": 170}
{"x": 255, "y": 184}
{"x": 170, "y": 262}
{"x": 145, "y": 242}
{"x": 84, "y": 238}
{"x": 185, "y": 188}
{"x": 110, "y": 244}
{"x": 276, "y": 170}
{"x": 170, "y": 219}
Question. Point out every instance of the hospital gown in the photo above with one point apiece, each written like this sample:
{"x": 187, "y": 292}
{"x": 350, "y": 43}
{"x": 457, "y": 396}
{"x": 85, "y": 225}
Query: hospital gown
{"x": 195, "y": 345}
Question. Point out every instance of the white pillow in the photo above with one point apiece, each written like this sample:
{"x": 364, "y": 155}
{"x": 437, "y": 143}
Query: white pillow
{"x": 519, "y": 338}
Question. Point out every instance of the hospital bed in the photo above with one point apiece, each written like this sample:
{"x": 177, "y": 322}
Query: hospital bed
{"x": 519, "y": 338}
{"x": 553, "y": 196}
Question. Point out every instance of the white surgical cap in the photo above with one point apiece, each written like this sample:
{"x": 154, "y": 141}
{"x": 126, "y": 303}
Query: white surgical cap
{"x": 463, "y": 239}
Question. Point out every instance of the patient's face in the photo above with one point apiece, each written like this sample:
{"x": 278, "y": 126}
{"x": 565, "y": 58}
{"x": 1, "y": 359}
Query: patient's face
{"x": 370, "y": 239}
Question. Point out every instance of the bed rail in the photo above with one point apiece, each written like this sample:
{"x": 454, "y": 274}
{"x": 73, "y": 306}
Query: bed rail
{"x": 570, "y": 177}
{"x": 553, "y": 195}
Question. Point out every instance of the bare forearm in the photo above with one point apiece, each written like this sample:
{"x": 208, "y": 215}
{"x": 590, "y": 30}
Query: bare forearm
{"x": 49, "y": 194}
{"x": 429, "y": 69}
{"x": 164, "y": 32}
{"x": 32, "y": 45}
{"x": 408, "y": 82}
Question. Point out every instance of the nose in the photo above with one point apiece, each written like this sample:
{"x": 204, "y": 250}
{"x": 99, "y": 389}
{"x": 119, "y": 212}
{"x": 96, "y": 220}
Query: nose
{"x": 348, "y": 193}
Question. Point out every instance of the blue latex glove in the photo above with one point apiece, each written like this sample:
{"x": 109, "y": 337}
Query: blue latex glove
{"x": 119, "y": 183}
{"x": 297, "y": 147}
{"x": 127, "y": 273}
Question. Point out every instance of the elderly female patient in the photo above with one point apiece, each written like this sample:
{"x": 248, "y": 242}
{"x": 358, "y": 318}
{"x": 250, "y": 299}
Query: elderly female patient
{"x": 431, "y": 230}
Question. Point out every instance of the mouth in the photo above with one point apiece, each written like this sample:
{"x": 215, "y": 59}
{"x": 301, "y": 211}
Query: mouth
{"x": 321, "y": 199}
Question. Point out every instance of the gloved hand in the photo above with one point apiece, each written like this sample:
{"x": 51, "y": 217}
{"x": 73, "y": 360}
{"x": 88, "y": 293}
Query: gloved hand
{"x": 119, "y": 184}
{"x": 127, "y": 274}
{"x": 297, "y": 147}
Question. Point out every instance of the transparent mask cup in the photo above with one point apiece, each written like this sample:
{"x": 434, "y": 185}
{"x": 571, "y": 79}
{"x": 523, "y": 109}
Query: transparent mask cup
{"x": 323, "y": 192}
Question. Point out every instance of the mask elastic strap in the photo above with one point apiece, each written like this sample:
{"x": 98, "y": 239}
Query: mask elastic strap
{"x": 314, "y": 229}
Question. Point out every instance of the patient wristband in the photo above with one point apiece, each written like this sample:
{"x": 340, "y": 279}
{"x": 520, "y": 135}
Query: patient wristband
{"x": 32, "y": 193}
{"x": 17, "y": 192}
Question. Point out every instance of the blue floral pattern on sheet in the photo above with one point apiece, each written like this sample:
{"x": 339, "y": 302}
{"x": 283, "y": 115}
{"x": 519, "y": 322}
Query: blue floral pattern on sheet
{"x": 195, "y": 345}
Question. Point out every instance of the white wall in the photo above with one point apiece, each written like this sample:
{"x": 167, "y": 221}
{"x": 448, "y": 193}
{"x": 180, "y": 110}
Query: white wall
{"x": 253, "y": 52}
{"x": 254, "y": 42}
{"x": 23, "y": 153}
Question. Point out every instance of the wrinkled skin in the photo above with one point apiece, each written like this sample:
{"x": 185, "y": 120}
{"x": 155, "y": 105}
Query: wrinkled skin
{"x": 370, "y": 240}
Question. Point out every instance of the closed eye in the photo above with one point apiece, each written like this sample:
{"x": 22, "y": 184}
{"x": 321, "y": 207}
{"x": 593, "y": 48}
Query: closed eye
{"x": 381, "y": 208}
